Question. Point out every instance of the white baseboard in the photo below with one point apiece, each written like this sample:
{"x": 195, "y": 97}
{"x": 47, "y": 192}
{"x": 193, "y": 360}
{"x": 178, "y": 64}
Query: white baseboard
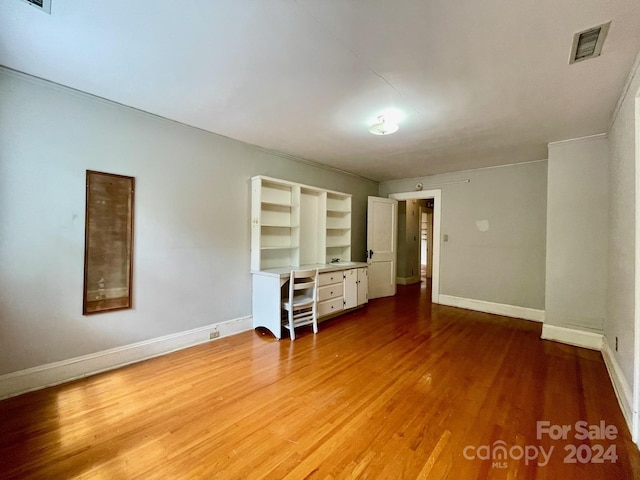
{"x": 408, "y": 280}
{"x": 571, "y": 336}
{"x": 35, "y": 378}
{"x": 596, "y": 341}
{"x": 620, "y": 385}
{"x": 495, "y": 308}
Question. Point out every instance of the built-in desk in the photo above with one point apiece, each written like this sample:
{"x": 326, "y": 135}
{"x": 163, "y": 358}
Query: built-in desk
{"x": 341, "y": 287}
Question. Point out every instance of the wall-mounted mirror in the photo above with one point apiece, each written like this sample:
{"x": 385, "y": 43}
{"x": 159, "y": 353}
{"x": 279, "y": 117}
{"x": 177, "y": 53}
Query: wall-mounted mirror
{"x": 108, "y": 242}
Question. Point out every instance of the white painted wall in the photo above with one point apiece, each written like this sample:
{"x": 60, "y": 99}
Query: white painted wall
{"x": 622, "y": 218}
{"x": 496, "y": 225}
{"x": 192, "y": 221}
{"x": 577, "y": 234}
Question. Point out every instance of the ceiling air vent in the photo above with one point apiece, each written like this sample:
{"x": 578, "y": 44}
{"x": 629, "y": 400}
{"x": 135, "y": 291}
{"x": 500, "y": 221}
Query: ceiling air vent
{"x": 588, "y": 43}
{"x": 43, "y": 5}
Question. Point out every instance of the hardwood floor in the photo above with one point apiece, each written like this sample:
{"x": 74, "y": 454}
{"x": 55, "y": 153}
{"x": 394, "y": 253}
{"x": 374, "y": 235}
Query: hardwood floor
{"x": 401, "y": 389}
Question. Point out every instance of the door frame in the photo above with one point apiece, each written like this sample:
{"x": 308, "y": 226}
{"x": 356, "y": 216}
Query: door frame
{"x": 635, "y": 408}
{"x": 436, "y": 195}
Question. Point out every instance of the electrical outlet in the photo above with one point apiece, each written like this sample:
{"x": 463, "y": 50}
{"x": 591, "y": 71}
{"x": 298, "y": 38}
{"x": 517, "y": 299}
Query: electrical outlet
{"x": 214, "y": 334}
{"x": 616, "y": 344}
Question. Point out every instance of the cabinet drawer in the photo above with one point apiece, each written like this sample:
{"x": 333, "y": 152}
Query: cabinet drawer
{"x": 330, "y": 291}
{"x": 329, "y": 278}
{"x": 329, "y": 306}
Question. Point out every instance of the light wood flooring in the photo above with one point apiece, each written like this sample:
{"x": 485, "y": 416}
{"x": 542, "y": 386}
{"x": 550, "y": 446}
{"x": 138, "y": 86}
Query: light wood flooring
{"x": 400, "y": 390}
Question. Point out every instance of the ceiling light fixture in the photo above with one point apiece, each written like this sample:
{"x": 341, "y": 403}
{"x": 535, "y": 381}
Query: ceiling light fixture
{"x": 383, "y": 126}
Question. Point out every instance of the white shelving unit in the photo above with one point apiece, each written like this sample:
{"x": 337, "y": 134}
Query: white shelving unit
{"x": 338, "y": 227}
{"x": 275, "y": 226}
{"x": 294, "y": 224}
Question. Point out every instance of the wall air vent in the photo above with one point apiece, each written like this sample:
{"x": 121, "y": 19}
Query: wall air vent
{"x": 588, "y": 43}
{"x": 43, "y": 5}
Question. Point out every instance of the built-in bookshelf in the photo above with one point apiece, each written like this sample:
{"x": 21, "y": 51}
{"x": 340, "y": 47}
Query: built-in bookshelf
{"x": 294, "y": 224}
{"x": 338, "y": 227}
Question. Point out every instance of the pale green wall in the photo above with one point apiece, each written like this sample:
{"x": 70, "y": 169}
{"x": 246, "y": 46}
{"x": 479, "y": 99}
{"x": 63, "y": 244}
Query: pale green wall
{"x": 506, "y": 263}
{"x": 192, "y": 220}
{"x": 577, "y": 234}
{"x": 622, "y": 228}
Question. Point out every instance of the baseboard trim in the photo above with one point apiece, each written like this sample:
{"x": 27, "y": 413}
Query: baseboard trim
{"x": 35, "y": 378}
{"x": 408, "y": 280}
{"x": 495, "y": 308}
{"x": 621, "y": 387}
{"x": 570, "y": 336}
{"x": 596, "y": 341}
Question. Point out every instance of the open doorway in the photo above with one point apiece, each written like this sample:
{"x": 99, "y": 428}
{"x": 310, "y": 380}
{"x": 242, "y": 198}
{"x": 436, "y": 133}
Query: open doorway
{"x": 426, "y": 241}
{"x": 434, "y": 199}
{"x": 415, "y": 242}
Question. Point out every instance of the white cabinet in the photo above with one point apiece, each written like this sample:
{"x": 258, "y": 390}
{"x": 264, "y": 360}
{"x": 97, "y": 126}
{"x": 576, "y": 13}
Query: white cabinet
{"x": 342, "y": 290}
{"x": 337, "y": 285}
{"x": 363, "y": 286}
{"x": 294, "y": 224}
{"x": 356, "y": 286}
{"x": 330, "y": 293}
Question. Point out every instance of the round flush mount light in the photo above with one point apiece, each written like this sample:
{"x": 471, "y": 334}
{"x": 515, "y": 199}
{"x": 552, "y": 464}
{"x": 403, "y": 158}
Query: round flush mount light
{"x": 383, "y": 126}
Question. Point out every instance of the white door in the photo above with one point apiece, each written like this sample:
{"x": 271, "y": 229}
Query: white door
{"x": 382, "y": 226}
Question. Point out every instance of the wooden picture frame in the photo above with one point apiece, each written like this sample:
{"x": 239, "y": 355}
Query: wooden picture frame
{"x": 108, "y": 244}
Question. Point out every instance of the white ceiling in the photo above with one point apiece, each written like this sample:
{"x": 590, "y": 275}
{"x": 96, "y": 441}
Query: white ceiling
{"x": 481, "y": 83}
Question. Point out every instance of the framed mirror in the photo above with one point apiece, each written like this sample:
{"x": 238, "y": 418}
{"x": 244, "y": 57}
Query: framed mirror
{"x": 108, "y": 242}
